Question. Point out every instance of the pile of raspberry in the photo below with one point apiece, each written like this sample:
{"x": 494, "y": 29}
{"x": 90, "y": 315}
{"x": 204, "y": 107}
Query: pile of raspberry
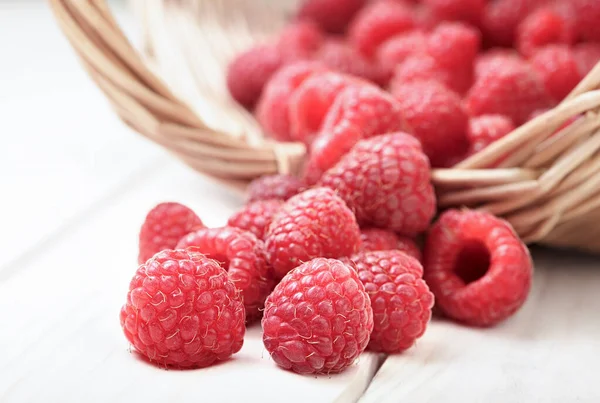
{"x": 456, "y": 74}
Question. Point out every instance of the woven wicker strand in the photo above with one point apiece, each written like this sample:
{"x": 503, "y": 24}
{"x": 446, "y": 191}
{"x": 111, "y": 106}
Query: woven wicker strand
{"x": 547, "y": 184}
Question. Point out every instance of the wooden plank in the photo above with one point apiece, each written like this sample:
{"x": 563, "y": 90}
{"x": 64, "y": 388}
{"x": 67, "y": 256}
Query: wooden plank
{"x": 63, "y": 341}
{"x": 548, "y": 352}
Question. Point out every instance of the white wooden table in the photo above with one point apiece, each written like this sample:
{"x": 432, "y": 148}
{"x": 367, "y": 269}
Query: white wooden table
{"x": 75, "y": 186}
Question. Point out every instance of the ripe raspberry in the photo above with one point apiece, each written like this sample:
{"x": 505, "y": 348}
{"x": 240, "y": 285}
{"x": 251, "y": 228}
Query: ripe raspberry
{"x": 470, "y": 11}
{"x": 477, "y": 267}
{"x": 183, "y": 311}
{"x": 400, "y": 299}
{"x": 544, "y": 27}
{"x": 437, "y": 117}
{"x": 501, "y": 18}
{"x": 272, "y": 111}
{"x": 557, "y": 67}
{"x": 343, "y": 58}
{"x": 423, "y": 67}
{"x": 299, "y": 41}
{"x": 278, "y": 186}
{"x": 378, "y": 22}
{"x": 164, "y": 226}
{"x": 425, "y": 19}
{"x": 376, "y": 239}
{"x": 242, "y": 255}
{"x": 386, "y": 181}
{"x": 396, "y": 49}
{"x": 312, "y": 100}
{"x": 358, "y": 112}
{"x": 318, "y": 319}
{"x": 454, "y": 45}
{"x": 248, "y": 73}
{"x": 512, "y": 89}
{"x": 315, "y": 223}
{"x": 332, "y": 16}
{"x": 587, "y": 14}
{"x": 587, "y": 56}
{"x": 485, "y": 129}
{"x": 493, "y": 58}
{"x": 255, "y": 217}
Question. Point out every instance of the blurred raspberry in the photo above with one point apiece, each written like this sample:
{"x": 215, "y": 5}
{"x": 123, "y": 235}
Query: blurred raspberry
{"x": 332, "y": 16}
{"x": 255, "y": 217}
{"x": 497, "y": 56}
{"x": 470, "y": 11}
{"x": 558, "y": 69}
{"x": 454, "y": 45}
{"x": 587, "y": 56}
{"x": 544, "y": 27}
{"x": 501, "y": 18}
{"x": 375, "y": 239}
{"x": 587, "y": 14}
{"x": 279, "y": 186}
{"x": 343, "y": 58}
{"x": 299, "y": 41}
{"x": 485, "y": 129}
{"x": 396, "y": 49}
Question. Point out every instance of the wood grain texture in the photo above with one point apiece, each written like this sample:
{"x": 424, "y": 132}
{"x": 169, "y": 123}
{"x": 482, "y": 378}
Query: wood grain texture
{"x": 547, "y": 353}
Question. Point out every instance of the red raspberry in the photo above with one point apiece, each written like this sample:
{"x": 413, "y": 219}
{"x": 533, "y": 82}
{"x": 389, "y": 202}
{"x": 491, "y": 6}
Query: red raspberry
{"x": 386, "y": 181}
{"x": 248, "y": 73}
{"x": 544, "y": 27}
{"x": 587, "y": 56}
{"x": 242, "y": 255}
{"x": 299, "y": 41}
{"x": 341, "y": 57}
{"x": 423, "y": 67}
{"x": 272, "y": 111}
{"x": 437, "y": 117}
{"x": 164, "y": 226}
{"x": 315, "y": 223}
{"x": 485, "y": 129}
{"x": 477, "y": 267}
{"x": 378, "y": 22}
{"x": 278, "y": 186}
{"x": 331, "y": 15}
{"x": 587, "y": 14}
{"x": 358, "y": 112}
{"x": 318, "y": 319}
{"x": 312, "y": 100}
{"x": 395, "y": 50}
{"x": 425, "y": 19}
{"x": 400, "y": 299}
{"x": 454, "y": 45}
{"x": 495, "y": 57}
{"x": 470, "y": 11}
{"x": 557, "y": 67}
{"x": 511, "y": 88}
{"x": 376, "y": 239}
{"x": 501, "y": 18}
{"x": 255, "y": 217}
{"x": 183, "y": 311}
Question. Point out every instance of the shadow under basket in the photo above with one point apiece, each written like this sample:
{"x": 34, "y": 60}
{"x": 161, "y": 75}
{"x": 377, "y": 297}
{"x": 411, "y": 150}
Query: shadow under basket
{"x": 174, "y": 93}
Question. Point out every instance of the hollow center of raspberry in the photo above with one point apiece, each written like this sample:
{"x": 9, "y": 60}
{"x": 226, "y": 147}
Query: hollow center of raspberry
{"x": 472, "y": 262}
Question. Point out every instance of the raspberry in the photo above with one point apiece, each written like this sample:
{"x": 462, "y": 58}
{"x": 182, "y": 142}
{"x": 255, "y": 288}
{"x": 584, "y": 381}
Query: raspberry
{"x": 183, "y": 311}
{"x": 509, "y": 88}
{"x": 318, "y": 319}
{"x": 477, "y": 268}
{"x": 423, "y": 67}
{"x": 543, "y": 27}
{"x": 587, "y": 56}
{"x": 299, "y": 41}
{"x": 501, "y": 18}
{"x": 242, "y": 255}
{"x": 279, "y": 186}
{"x": 311, "y": 101}
{"x": 248, "y": 73}
{"x": 396, "y": 49}
{"x": 485, "y": 129}
{"x": 315, "y": 223}
{"x": 341, "y": 57}
{"x": 386, "y": 181}
{"x": 557, "y": 67}
{"x": 587, "y": 15}
{"x": 272, "y": 111}
{"x": 437, "y": 117}
{"x": 255, "y": 217}
{"x": 358, "y": 112}
{"x": 454, "y": 45}
{"x": 376, "y": 239}
{"x": 497, "y": 56}
{"x": 331, "y": 15}
{"x": 400, "y": 299}
{"x": 470, "y": 11}
{"x": 164, "y": 226}
{"x": 425, "y": 19}
{"x": 378, "y": 22}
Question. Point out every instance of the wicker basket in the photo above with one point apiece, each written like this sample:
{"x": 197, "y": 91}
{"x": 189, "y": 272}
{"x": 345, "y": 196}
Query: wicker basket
{"x": 549, "y": 187}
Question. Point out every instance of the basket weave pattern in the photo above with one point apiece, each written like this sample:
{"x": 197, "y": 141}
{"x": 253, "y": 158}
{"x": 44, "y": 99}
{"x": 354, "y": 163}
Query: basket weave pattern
{"x": 548, "y": 188}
